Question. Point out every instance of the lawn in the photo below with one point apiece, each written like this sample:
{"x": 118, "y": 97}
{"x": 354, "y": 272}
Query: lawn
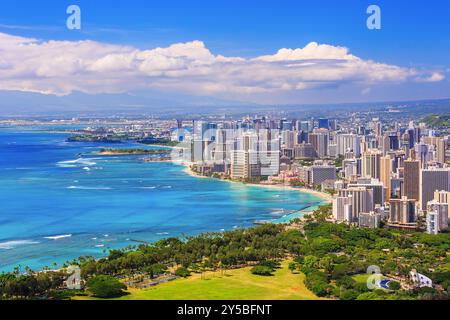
{"x": 361, "y": 278}
{"x": 237, "y": 284}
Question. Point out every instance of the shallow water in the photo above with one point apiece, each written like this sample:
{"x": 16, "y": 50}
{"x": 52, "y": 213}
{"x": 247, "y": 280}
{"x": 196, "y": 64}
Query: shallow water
{"x": 60, "y": 200}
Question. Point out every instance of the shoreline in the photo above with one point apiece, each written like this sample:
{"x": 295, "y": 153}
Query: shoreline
{"x": 324, "y": 196}
{"x": 287, "y": 219}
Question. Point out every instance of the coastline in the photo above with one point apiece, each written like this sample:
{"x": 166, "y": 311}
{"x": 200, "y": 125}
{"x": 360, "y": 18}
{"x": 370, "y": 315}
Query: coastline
{"x": 324, "y": 196}
{"x": 327, "y": 198}
{"x": 301, "y": 214}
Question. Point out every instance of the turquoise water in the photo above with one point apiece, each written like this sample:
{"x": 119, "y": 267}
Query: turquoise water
{"x": 61, "y": 200}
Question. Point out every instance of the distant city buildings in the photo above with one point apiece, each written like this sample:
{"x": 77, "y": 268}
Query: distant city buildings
{"x": 381, "y": 174}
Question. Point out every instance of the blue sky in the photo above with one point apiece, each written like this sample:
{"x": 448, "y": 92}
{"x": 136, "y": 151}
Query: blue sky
{"x": 414, "y": 34}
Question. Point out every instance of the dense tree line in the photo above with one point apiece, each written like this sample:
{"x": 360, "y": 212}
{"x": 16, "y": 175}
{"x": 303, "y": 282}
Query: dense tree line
{"x": 329, "y": 255}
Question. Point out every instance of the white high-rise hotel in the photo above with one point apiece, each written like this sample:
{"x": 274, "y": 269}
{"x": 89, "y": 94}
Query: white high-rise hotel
{"x": 256, "y": 154}
{"x": 348, "y": 142}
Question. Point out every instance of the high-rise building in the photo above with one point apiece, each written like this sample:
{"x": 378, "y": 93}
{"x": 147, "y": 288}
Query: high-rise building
{"x": 361, "y": 200}
{"x": 304, "y": 126}
{"x": 402, "y": 212}
{"x": 394, "y": 142}
{"x": 433, "y": 179}
{"x": 411, "y": 178}
{"x": 377, "y": 187}
{"x": 199, "y": 129}
{"x": 269, "y": 152}
{"x": 351, "y": 168}
{"x": 348, "y": 142}
{"x": 421, "y": 154}
{"x": 432, "y": 222}
{"x": 286, "y": 125}
{"x": 244, "y": 164}
{"x": 442, "y": 197}
{"x": 304, "y": 150}
{"x": 222, "y": 149}
{"x": 417, "y": 134}
{"x": 197, "y": 150}
{"x": 288, "y": 139}
{"x": 385, "y": 175}
{"x": 342, "y": 209}
{"x": 324, "y": 123}
{"x": 333, "y": 124}
{"x": 319, "y": 139}
{"x": 411, "y": 138}
{"x": 269, "y": 162}
{"x": 371, "y": 164}
{"x": 332, "y": 150}
{"x": 320, "y": 174}
{"x": 440, "y": 147}
{"x": 377, "y": 128}
{"x": 438, "y": 213}
{"x": 369, "y": 220}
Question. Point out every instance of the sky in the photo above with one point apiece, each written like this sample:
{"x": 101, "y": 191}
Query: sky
{"x": 256, "y": 51}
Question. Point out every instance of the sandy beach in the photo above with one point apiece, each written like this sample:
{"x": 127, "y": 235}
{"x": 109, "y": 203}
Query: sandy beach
{"x": 325, "y": 196}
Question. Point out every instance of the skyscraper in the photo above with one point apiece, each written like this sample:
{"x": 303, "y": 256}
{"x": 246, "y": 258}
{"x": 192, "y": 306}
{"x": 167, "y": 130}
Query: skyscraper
{"x": 394, "y": 141}
{"x": 244, "y": 159}
{"x": 244, "y": 164}
{"x": 411, "y": 138}
{"x": 421, "y": 152}
{"x": 348, "y": 142}
{"x": 324, "y": 123}
{"x": 403, "y": 212}
{"x": 304, "y": 126}
{"x": 433, "y": 179}
{"x": 342, "y": 209}
{"x": 288, "y": 139}
{"x": 377, "y": 188}
{"x": 440, "y": 221}
{"x": 438, "y": 145}
{"x": 443, "y": 197}
{"x": 361, "y": 200}
{"x": 385, "y": 175}
{"x": 411, "y": 179}
{"x": 320, "y": 174}
{"x": 441, "y": 147}
{"x": 319, "y": 140}
{"x": 371, "y": 164}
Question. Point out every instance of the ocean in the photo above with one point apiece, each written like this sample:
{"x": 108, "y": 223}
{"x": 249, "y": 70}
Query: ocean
{"x": 60, "y": 200}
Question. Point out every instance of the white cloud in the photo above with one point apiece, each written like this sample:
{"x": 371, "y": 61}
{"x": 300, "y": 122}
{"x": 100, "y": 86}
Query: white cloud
{"x": 434, "y": 77}
{"x": 311, "y": 51}
{"x": 61, "y": 67}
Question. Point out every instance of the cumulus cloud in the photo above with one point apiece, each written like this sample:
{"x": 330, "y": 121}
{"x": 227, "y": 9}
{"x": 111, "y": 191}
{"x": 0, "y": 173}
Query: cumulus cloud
{"x": 434, "y": 77}
{"x": 61, "y": 67}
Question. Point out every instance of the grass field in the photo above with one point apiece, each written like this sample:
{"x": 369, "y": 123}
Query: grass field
{"x": 361, "y": 278}
{"x": 233, "y": 285}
